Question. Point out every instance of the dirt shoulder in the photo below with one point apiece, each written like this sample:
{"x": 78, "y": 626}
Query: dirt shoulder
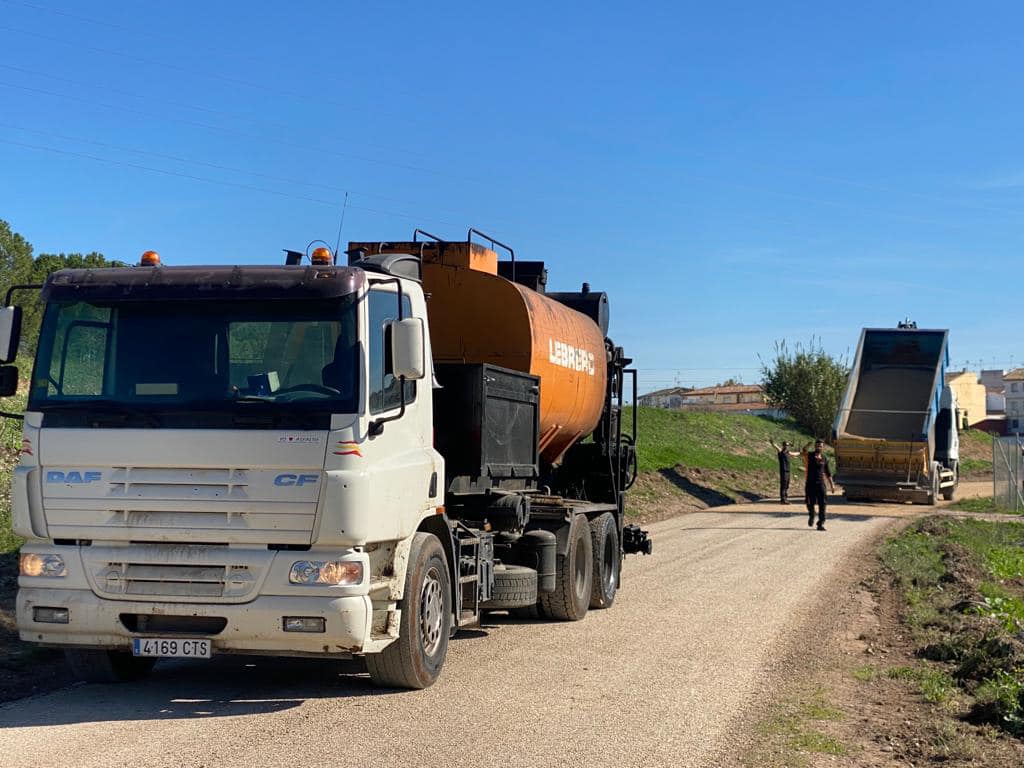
{"x": 859, "y": 693}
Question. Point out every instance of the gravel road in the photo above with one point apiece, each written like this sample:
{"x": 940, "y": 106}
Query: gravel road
{"x": 665, "y": 678}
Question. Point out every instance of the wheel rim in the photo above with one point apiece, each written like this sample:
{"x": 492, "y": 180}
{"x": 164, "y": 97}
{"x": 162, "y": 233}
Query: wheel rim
{"x": 608, "y": 565}
{"x": 431, "y": 611}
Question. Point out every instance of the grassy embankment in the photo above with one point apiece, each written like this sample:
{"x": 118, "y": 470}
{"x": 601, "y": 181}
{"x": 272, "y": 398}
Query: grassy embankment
{"x": 706, "y": 459}
{"x": 962, "y": 587}
{"x": 697, "y": 459}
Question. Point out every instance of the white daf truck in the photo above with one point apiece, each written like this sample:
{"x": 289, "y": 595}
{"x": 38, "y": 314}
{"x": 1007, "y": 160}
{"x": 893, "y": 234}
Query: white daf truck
{"x": 315, "y": 459}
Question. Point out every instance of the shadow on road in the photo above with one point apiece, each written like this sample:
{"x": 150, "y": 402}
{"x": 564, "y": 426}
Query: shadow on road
{"x": 709, "y": 496}
{"x": 227, "y": 686}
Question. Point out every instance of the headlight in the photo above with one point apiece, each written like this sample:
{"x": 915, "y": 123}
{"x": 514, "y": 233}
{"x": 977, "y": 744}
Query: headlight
{"x": 326, "y": 572}
{"x": 42, "y": 565}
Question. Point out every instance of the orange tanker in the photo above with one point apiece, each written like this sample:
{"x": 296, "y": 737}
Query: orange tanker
{"x": 478, "y": 316}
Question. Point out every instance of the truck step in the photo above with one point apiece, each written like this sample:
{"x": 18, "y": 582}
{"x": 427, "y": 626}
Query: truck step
{"x": 471, "y": 579}
{"x": 468, "y": 618}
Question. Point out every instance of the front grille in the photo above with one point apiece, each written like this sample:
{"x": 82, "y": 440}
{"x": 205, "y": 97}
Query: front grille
{"x": 180, "y": 484}
{"x": 159, "y": 580}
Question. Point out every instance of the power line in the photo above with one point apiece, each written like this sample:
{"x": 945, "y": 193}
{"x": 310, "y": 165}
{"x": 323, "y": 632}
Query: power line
{"x": 208, "y": 126}
{"x": 217, "y": 166}
{"x": 184, "y": 105}
{"x": 207, "y": 180}
{"x": 229, "y": 50}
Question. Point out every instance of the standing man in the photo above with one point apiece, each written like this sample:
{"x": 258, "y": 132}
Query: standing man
{"x": 818, "y": 472}
{"x": 784, "y": 454}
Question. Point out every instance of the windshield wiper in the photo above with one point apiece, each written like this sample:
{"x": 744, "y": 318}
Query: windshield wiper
{"x": 110, "y": 408}
{"x": 240, "y": 398}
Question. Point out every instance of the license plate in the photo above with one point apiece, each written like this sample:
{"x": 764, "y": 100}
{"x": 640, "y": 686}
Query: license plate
{"x": 171, "y": 647}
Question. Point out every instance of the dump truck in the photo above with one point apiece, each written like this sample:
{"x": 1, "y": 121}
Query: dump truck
{"x": 895, "y": 435}
{"x": 336, "y": 460}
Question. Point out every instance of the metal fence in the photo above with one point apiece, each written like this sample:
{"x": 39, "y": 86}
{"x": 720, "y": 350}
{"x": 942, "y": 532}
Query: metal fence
{"x": 1008, "y": 473}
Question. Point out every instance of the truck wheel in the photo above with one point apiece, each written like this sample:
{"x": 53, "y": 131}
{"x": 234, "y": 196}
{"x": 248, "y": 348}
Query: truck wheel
{"x": 604, "y": 540}
{"x": 96, "y": 666}
{"x": 415, "y": 659}
{"x": 573, "y": 576}
{"x": 515, "y": 586}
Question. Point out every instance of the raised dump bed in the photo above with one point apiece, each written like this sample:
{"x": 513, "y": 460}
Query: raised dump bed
{"x": 894, "y": 435}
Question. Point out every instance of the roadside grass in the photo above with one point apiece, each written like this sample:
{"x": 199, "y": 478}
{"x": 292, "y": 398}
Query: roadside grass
{"x": 935, "y": 685}
{"x": 963, "y": 585}
{"x": 795, "y": 731}
{"x": 976, "y": 466}
{"x": 981, "y": 505}
{"x": 865, "y": 674}
{"x": 736, "y": 441}
{"x": 976, "y": 437}
{"x": 975, "y": 452}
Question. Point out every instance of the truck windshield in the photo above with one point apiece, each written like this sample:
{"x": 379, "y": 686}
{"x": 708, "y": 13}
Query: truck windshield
{"x": 142, "y": 360}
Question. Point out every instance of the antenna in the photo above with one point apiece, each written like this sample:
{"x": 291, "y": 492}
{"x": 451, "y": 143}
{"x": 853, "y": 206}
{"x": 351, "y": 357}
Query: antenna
{"x": 341, "y": 225}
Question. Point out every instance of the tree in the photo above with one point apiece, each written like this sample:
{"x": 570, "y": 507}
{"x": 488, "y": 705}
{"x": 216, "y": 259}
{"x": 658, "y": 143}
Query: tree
{"x": 807, "y": 383}
{"x": 19, "y": 267}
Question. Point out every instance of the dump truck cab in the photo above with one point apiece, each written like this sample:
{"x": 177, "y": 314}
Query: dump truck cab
{"x": 244, "y": 459}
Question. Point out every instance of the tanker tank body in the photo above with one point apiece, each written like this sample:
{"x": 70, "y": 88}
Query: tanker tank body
{"x": 524, "y": 379}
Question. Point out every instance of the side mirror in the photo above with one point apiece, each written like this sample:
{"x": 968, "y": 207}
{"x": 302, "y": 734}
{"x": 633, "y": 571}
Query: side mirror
{"x": 10, "y": 333}
{"x": 8, "y": 380}
{"x": 408, "y": 348}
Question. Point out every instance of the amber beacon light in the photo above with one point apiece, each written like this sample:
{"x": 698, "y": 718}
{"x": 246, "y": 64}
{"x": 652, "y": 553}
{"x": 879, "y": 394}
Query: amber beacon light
{"x": 150, "y": 259}
{"x": 322, "y": 256}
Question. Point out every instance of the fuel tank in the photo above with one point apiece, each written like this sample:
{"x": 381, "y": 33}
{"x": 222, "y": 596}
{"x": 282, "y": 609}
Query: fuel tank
{"x": 477, "y": 316}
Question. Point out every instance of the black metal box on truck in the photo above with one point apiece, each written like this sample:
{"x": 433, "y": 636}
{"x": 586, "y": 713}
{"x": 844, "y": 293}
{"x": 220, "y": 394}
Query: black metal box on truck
{"x": 487, "y": 422}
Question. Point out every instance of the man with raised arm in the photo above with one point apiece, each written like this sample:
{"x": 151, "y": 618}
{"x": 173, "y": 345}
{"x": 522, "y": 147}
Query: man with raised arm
{"x": 784, "y": 473}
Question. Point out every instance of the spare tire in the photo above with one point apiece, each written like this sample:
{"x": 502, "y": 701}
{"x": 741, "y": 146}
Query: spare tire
{"x": 515, "y": 586}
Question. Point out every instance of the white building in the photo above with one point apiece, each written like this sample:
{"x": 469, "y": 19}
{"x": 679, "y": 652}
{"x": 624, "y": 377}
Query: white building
{"x": 1013, "y": 384}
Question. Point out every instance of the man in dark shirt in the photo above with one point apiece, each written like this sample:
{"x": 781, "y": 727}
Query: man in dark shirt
{"x": 818, "y": 472}
{"x": 784, "y": 474}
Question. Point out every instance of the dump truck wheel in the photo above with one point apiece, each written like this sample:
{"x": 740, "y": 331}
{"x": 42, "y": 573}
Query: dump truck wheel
{"x": 515, "y": 586}
{"x": 96, "y": 666}
{"x": 415, "y": 659}
{"x": 604, "y": 540}
{"x": 573, "y": 576}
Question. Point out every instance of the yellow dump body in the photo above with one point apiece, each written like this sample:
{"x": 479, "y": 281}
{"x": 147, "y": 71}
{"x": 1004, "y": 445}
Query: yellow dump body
{"x": 871, "y": 457}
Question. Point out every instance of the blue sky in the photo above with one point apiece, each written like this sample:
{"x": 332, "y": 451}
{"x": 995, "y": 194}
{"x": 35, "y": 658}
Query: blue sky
{"x": 731, "y": 173}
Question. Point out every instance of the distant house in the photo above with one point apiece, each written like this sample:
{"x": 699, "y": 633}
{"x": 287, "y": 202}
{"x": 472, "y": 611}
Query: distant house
{"x": 671, "y": 398}
{"x": 971, "y": 397}
{"x": 995, "y": 391}
{"x": 1013, "y": 383}
{"x": 738, "y": 398}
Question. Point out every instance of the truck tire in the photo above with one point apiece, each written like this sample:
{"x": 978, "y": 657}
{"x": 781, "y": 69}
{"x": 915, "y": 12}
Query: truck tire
{"x": 415, "y": 659}
{"x": 573, "y": 576}
{"x": 97, "y": 666}
{"x": 515, "y": 586}
{"x": 604, "y": 540}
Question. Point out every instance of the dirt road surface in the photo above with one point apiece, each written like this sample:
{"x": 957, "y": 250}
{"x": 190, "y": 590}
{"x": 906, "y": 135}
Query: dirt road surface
{"x": 701, "y": 633}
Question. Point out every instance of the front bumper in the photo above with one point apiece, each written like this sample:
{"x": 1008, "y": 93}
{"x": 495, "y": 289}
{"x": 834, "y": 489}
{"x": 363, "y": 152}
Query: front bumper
{"x": 253, "y": 627}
